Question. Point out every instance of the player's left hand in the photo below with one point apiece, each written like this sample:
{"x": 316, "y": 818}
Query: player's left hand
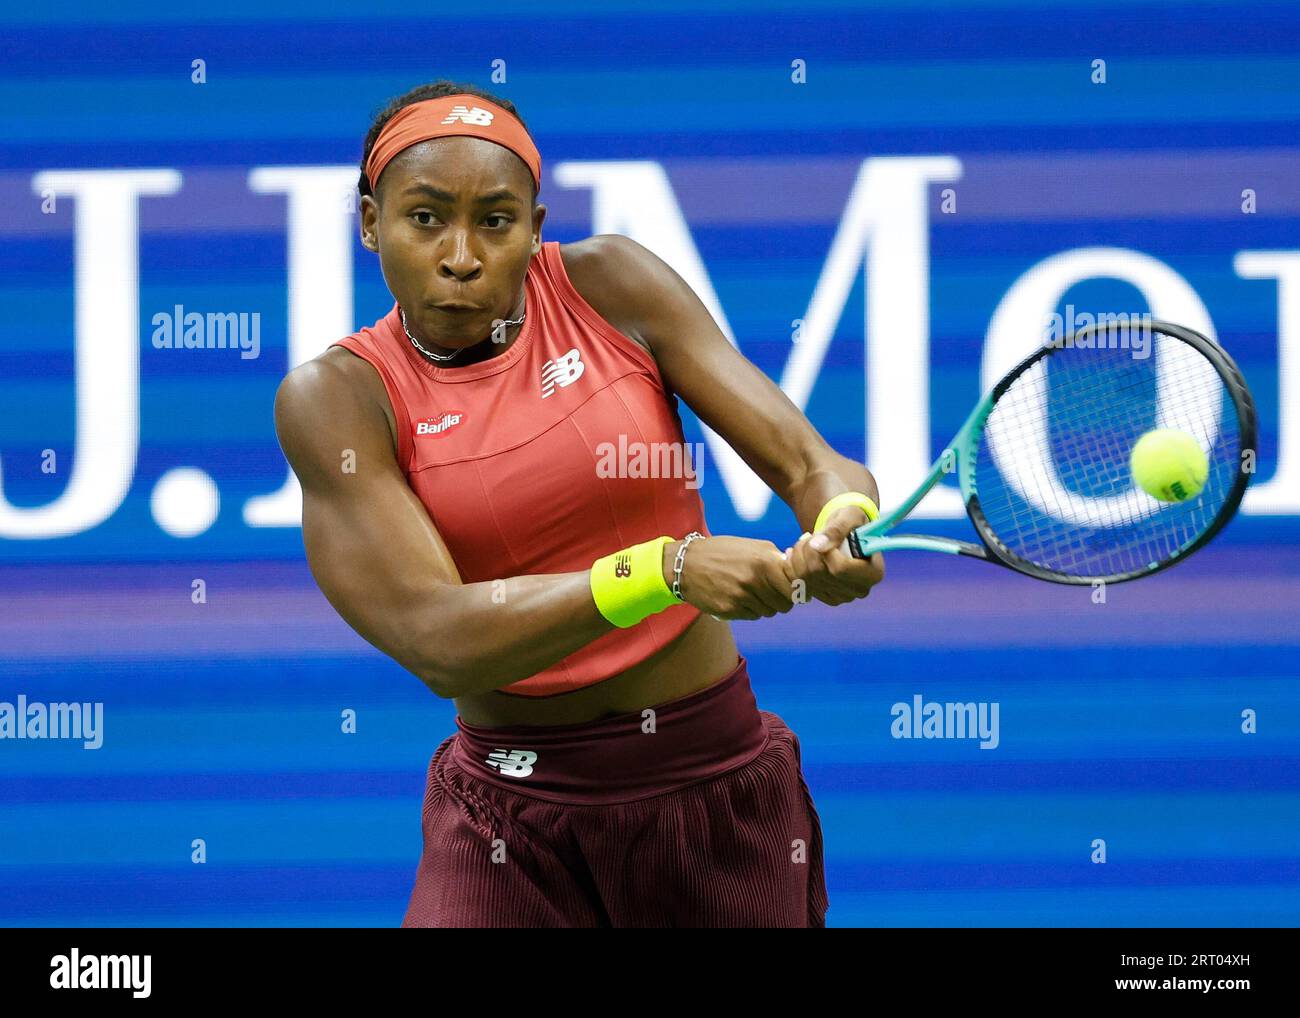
{"x": 831, "y": 575}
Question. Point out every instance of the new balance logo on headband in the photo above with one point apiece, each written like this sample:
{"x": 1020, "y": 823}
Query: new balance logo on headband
{"x": 515, "y": 763}
{"x": 477, "y": 116}
{"x": 562, "y": 371}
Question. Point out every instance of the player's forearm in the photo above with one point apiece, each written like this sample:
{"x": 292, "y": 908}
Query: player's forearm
{"x": 831, "y": 475}
{"x": 482, "y": 636}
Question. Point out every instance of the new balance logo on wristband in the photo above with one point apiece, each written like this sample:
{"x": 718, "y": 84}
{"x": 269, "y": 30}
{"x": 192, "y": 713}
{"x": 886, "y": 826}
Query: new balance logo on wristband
{"x": 514, "y": 763}
{"x": 623, "y": 566}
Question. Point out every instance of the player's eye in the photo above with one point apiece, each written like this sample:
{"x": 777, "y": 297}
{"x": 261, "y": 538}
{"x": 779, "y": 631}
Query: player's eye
{"x": 504, "y": 219}
{"x": 423, "y": 218}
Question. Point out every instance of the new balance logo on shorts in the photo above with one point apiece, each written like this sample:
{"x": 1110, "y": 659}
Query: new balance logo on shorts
{"x": 470, "y": 115}
{"x": 562, "y": 371}
{"x": 515, "y": 763}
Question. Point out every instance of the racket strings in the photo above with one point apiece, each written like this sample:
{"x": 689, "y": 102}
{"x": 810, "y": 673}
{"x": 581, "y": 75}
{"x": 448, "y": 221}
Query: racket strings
{"x": 1052, "y": 470}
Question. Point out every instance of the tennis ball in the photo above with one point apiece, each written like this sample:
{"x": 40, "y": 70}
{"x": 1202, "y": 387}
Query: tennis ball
{"x": 1169, "y": 464}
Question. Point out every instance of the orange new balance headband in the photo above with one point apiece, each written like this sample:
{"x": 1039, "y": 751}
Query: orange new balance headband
{"x": 450, "y": 115}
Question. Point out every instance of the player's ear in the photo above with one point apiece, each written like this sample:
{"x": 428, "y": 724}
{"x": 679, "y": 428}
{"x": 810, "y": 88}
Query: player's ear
{"x": 369, "y": 223}
{"x": 539, "y": 217}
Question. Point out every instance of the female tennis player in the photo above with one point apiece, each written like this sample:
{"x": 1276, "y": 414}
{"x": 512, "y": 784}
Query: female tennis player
{"x": 610, "y": 765}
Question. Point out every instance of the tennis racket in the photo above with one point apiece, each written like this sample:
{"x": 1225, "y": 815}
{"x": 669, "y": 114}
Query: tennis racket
{"x": 1043, "y": 461}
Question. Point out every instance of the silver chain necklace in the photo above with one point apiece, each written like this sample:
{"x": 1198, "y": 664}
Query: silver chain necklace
{"x": 446, "y": 357}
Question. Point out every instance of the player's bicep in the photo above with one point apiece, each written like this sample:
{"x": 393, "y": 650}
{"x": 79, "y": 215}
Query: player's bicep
{"x": 369, "y": 541}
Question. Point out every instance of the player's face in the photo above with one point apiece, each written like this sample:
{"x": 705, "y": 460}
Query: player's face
{"x": 454, "y": 224}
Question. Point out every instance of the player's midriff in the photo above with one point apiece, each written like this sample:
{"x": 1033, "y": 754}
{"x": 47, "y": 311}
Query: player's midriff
{"x": 704, "y": 654}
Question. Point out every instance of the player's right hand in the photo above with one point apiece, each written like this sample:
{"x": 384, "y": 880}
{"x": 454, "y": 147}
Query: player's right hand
{"x": 734, "y": 577}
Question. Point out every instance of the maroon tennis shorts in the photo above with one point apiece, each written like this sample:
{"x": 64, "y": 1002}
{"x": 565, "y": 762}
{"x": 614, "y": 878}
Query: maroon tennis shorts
{"x": 692, "y": 813}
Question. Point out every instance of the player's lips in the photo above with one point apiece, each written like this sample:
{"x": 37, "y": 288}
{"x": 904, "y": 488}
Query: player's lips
{"x": 457, "y": 306}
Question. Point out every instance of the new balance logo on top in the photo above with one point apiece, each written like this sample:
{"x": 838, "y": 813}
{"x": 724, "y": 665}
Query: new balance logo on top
{"x": 562, "y": 371}
{"x": 436, "y": 427}
{"x": 470, "y": 115}
{"x": 515, "y": 763}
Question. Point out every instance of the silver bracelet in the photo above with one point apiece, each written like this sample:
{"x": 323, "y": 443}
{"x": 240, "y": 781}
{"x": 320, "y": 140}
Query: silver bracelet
{"x": 677, "y": 563}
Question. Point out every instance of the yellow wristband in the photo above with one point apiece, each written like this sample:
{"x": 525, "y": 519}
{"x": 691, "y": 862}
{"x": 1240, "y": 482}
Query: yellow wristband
{"x": 629, "y": 585}
{"x": 856, "y": 498}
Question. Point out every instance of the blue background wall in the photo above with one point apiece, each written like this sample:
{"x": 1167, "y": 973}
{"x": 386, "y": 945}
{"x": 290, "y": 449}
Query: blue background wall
{"x": 1119, "y": 721}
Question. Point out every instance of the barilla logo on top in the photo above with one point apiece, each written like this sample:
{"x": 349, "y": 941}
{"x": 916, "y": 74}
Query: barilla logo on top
{"x": 436, "y": 427}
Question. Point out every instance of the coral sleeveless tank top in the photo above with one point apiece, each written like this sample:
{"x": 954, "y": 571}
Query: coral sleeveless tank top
{"x": 564, "y": 448}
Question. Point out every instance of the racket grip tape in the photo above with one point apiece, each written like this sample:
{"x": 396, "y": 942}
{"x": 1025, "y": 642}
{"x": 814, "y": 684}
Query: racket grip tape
{"x": 850, "y": 545}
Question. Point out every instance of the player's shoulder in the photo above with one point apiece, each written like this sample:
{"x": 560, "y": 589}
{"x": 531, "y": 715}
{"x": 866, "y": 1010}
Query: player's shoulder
{"x": 335, "y": 387}
{"x": 332, "y": 377}
{"x": 600, "y": 247}
{"x": 618, "y": 277}
{"x": 606, "y": 262}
